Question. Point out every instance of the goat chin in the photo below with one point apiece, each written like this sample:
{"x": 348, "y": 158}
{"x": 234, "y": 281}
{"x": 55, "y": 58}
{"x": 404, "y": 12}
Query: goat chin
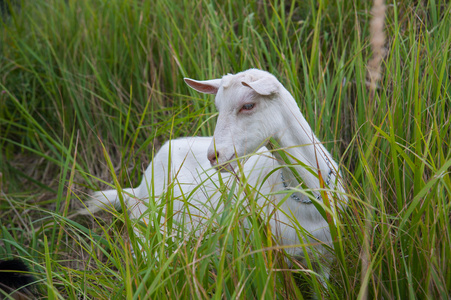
{"x": 253, "y": 107}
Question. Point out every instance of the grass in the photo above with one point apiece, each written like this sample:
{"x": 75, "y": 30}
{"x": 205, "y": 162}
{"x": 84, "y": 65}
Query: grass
{"x": 89, "y": 90}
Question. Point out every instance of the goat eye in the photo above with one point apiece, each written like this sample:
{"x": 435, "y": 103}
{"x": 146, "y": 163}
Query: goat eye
{"x": 248, "y": 106}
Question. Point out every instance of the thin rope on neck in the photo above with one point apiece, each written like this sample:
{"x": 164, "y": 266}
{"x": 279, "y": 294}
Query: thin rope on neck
{"x": 307, "y": 200}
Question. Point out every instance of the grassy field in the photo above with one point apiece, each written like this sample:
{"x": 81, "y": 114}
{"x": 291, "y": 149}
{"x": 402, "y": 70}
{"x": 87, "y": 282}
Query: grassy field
{"x": 90, "y": 89}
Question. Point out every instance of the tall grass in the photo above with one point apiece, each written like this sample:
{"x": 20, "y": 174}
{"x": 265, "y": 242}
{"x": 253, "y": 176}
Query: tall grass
{"x": 90, "y": 89}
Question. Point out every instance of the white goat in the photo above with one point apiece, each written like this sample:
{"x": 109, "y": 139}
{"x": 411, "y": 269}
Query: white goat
{"x": 253, "y": 107}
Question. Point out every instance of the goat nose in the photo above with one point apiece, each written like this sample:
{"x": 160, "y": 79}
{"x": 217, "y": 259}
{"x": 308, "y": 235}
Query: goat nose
{"x": 212, "y": 156}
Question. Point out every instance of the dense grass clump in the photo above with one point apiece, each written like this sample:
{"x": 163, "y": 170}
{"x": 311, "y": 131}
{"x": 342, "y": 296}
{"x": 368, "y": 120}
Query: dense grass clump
{"x": 89, "y": 90}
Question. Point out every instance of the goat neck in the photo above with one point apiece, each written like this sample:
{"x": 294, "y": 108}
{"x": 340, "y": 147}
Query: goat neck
{"x": 297, "y": 139}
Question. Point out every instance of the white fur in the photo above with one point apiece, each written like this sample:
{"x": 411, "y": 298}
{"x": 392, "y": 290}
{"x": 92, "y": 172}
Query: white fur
{"x": 187, "y": 162}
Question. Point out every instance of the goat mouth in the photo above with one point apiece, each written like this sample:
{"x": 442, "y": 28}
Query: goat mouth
{"x": 227, "y": 166}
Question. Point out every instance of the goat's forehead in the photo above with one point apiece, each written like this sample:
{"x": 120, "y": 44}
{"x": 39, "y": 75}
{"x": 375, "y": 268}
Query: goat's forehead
{"x": 231, "y": 80}
{"x": 231, "y": 88}
{"x": 248, "y": 75}
{"x": 231, "y": 92}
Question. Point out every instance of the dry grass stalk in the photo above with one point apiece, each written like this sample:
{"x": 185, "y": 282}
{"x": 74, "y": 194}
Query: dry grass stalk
{"x": 377, "y": 44}
{"x": 374, "y": 73}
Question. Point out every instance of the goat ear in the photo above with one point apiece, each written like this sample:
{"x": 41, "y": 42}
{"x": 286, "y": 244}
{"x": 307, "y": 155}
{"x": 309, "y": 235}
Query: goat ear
{"x": 205, "y": 86}
{"x": 264, "y": 86}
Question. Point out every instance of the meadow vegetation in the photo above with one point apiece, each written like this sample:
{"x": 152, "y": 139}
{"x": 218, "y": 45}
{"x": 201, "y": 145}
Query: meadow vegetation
{"x": 90, "y": 89}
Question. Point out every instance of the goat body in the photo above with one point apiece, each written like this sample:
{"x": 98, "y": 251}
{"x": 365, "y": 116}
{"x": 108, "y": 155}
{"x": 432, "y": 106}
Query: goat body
{"x": 253, "y": 107}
